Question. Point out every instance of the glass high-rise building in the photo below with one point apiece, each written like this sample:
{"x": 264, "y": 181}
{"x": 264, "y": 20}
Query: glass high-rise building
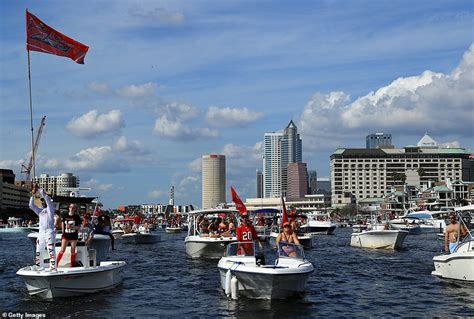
{"x": 213, "y": 180}
{"x": 259, "y": 176}
{"x": 312, "y": 182}
{"x": 280, "y": 149}
{"x": 378, "y": 140}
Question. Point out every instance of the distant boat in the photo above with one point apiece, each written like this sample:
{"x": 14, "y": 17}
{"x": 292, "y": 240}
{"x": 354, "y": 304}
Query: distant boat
{"x": 378, "y": 237}
{"x": 319, "y": 223}
{"x": 141, "y": 236}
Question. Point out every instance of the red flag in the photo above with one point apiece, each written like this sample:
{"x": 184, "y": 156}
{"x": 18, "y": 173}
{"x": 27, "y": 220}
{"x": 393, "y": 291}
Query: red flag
{"x": 238, "y": 203}
{"x": 284, "y": 216}
{"x": 42, "y": 38}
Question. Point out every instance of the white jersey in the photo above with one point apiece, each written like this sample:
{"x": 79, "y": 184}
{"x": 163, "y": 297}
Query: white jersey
{"x": 46, "y": 215}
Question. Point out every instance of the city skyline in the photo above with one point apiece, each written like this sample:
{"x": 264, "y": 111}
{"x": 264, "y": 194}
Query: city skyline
{"x": 167, "y": 82}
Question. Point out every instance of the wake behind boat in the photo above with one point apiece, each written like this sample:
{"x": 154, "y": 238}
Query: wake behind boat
{"x": 284, "y": 278}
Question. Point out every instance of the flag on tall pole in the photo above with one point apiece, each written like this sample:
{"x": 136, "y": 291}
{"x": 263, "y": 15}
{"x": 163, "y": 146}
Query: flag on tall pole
{"x": 42, "y": 38}
{"x": 238, "y": 202}
{"x": 284, "y": 216}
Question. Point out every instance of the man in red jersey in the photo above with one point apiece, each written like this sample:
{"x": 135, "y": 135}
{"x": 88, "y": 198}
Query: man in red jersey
{"x": 246, "y": 233}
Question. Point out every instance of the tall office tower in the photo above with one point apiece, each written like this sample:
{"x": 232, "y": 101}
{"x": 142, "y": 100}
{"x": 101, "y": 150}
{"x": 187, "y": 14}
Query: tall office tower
{"x": 280, "y": 150}
{"x": 378, "y": 140}
{"x": 297, "y": 180}
{"x": 259, "y": 176}
{"x": 312, "y": 182}
{"x": 213, "y": 180}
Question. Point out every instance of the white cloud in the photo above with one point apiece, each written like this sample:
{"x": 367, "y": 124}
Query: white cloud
{"x": 95, "y": 184}
{"x": 179, "y": 110}
{"x": 429, "y": 101}
{"x": 138, "y": 91}
{"x": 175, "y": 129}
{"x": 156, "y": 194}
{"x": 224, "y": 117}
{"x": 162, "y": 15}
{"x": 196, "y": 165}
{"x": 92, "y": 123}
{"x": 453, "y": 144}
{"x": 133, "y": 147}
{"x": 94, "y": 159}
{"x": 98, "y": 87}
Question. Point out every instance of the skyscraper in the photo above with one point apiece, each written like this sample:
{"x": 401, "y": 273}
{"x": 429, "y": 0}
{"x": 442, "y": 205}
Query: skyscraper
{"x": 213, "y": 180}
{"x": 312, "y": 182}
{"x": 378, "y": 140}
{"x": 297, "y": 180}
{"x": 259, "y": 176}
{"x": 281, "y": 149}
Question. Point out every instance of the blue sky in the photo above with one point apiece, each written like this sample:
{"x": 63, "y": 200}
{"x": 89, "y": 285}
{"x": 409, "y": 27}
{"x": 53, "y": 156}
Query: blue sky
{"x": 165, "y": 82}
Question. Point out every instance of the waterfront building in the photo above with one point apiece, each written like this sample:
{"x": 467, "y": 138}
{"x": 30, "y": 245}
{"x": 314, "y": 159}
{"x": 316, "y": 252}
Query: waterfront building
{"x": 259, "y": 176}
{"x": 12, "y": 196}
{"x": 378, "y": 140}
{"x": 57, "y": 185}
{"x": 308, "y": 203}
{"x": 280, "y": 149}
{"x": 213, "y": 180}
{"x": 312, "y": 182}
{"x": 371, "y": 172}
{"x": 297, "y": 180}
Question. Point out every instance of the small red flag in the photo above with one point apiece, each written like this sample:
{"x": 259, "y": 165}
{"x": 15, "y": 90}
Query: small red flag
{"x": 238, "y": 203}
{"x": 284, "y": 216}
{"x": 42, "y": 38}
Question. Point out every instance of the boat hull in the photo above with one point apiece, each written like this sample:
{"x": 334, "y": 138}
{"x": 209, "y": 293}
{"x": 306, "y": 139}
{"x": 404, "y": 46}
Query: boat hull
{"x": 173, "y": 230}
{"x": 204, "y": 247}
{"x": 139, "y": 238}
{"x": 379, "y": 239}
{"x": 317, "y": 230}
{"x": 67, "y": 282}
{"x": 270, "y": 282}
{"x": 456, "y": 266}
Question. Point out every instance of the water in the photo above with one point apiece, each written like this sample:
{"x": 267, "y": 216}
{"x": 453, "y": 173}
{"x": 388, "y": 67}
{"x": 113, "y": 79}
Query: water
{"x": 160, "y": 281}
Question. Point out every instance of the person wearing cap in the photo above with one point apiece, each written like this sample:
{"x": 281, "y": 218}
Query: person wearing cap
{"x": 46, "y": 233}
{"x": 287, "y": 236}
{"x": 454, "y": 233}
{"x": 246, "y": 233}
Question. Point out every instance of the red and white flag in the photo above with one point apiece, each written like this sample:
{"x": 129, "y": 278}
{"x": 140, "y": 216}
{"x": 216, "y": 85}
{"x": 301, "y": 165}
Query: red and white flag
{"x": 42, "y": 38}
{"x": 238, "y": 202}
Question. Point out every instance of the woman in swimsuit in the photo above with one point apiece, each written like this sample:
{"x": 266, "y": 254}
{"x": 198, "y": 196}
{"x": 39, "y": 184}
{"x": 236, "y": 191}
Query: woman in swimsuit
{"x": 287, "y": 236}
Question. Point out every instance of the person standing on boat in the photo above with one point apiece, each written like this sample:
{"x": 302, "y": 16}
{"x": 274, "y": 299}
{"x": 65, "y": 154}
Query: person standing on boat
{"x": 71, "y": 224}
{"x": 247, "y": 233}
{"x": 453, "y": 234}
{"x": 87, "y": 231}
{"x": 46, "y": 233}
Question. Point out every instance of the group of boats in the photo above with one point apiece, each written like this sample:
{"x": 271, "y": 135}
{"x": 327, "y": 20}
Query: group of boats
{"x": 278, "y": 272}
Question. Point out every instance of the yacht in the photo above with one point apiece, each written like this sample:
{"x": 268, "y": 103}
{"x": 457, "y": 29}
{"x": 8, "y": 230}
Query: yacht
{"x": 253, "y": 278}
{"x": 379, "y": 236}
{"x": 319, "y": 223}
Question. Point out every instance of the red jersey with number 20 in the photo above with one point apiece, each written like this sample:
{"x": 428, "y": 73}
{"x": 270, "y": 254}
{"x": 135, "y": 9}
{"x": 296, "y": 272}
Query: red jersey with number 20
{"x": 248, "y": 234}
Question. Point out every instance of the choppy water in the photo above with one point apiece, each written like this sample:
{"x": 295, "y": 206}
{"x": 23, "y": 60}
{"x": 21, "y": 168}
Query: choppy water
{"x": 160, "y": 281}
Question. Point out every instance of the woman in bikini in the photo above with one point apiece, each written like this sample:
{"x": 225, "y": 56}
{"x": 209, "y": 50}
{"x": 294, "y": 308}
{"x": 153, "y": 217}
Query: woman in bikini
{"x": 287, "y": 236}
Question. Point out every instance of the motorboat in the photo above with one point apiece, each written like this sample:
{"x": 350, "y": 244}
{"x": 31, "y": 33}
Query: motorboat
{"x": 100, "y": 243}
{"x": 117, "y": 233}
{"x": 172, "y": 229}
{"x": 429, "y": 221}
{"x": 413, "y": 228}
{"x": 202, "y": 244}
{"x": 253, "y": 278}
{"x": 319, "y": 223}
{"x": 73, "y": 281}
{"x": 14, "y": 225}
{"x": 379, "y": 236}
{"x": 263, "y": 219}
{"x": 458, "y": 265}
{"x": 142, "y": 236}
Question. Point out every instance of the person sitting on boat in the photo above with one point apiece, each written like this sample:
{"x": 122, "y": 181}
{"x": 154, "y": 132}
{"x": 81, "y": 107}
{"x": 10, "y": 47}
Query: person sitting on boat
{"x": 204, "y": 227}
{"x": 287, "y": 236}
{"x": 71, "y": 224}
{"x": 87, "y": 231}
{"x": 46, "y": 233}
{"x": 453, "y": 234}
{"x": 246, "y": 233}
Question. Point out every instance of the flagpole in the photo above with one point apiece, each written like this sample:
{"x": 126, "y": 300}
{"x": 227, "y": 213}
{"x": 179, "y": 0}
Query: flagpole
{"x": 31, "y": 119}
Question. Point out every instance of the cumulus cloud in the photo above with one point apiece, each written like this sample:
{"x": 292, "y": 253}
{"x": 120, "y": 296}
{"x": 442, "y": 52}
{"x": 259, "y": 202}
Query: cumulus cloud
{"x": 176, "y": 129}
{"x": 156, "y": 194}
{"x": 179, "y": 110}
{"x": 453, "y": 144}
{"x": 224, "y": 117}
{"x": 134, "y": 147}
{"x": 95, "y": 184}
{"x": 196, "y": 165}
{"x": 98, "y": 87}
{"x": 161, "y": 15}
{"x": 92, "y": 123}
{"x": 138, "y": 91}
{"x": 412, "y": 104}
{"x": 94, "y": 159}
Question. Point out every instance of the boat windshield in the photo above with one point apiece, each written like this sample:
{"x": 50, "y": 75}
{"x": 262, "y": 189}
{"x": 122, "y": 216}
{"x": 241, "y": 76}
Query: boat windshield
{"x": 290, "y": 250}
{"x": 240, "y": 249}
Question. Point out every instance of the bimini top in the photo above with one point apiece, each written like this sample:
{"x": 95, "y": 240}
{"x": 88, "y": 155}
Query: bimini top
{"x": 214, "y": 211}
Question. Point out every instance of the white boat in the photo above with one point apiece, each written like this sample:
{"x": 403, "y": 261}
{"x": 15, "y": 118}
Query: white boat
{"x": 377, "y": 237}
{"x": 117, "y": 233}
{"x": 413, "y": 228}
{"x": 429, "y": 221}
{"x": 263, "y": 219}
{"x": 173, "y": 229}
{"x": 306, "y": 239}
{"x": 201, "y": 245}
{"x": 73, "y": 281}
{"x": 319, "y": 223}
{"x": 100, "y": 243}
{"x": 460, "y": 264}
{"x": 284, "y": 278}
{"x": 14, "y": 225}
{"x": 142, "y": 236}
